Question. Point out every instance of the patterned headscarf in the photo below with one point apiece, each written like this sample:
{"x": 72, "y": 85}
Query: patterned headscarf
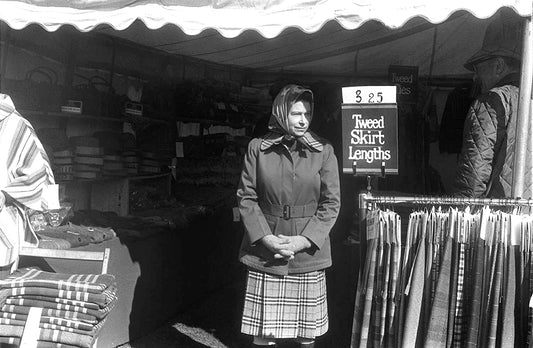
{"x": 278, "y": 124}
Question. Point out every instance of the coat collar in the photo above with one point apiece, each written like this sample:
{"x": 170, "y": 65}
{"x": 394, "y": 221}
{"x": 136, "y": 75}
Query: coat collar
{"x": 309, "y": 139}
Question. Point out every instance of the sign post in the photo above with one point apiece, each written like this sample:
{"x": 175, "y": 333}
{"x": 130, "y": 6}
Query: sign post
{"x": 369, "y": 130}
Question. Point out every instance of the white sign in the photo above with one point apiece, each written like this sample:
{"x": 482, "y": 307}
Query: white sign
{"x": 369, "y": 95}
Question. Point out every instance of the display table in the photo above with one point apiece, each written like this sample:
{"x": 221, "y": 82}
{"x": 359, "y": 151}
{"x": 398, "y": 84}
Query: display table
{"x": 149, "y": 283}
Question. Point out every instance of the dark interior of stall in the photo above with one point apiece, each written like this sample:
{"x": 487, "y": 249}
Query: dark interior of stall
{"x": 151, "y": 159}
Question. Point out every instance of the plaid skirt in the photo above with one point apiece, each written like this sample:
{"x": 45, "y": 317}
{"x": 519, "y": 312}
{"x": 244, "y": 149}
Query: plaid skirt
{"x": 285, "y": 306}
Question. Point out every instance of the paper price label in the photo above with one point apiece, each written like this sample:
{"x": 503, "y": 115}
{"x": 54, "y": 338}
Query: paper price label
{"x": 369, "y": 95}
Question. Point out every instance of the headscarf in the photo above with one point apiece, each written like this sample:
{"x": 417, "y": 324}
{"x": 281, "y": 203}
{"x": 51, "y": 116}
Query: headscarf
{"x": 278, "y": 124}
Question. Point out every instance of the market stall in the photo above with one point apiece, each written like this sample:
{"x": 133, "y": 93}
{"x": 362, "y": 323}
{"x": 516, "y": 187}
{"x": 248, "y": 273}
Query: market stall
{"x": 249, "y": 46}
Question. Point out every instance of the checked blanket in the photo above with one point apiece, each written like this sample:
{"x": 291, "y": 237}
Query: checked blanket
{"x": 58, "y": 336}
{"x": 88, "y": 308}
{"x": 31, "y": 277}
{"x": 66, "y": 318}
{"x": 102, "y": 299}
{"x": 15, "y": 341}
{"x": 20, "y": 320}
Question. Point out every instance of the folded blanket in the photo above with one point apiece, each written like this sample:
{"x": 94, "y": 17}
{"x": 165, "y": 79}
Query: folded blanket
{"x": 75, "y": 317}
{"x": 74, "y": 306}
{"x": 58, "y": 336}
{"x": 79, "y": 233}
{"x": 64, "y": 301}
{"x": 15, "y": 341}
{"x": 73, "y": 237}
{"x": 47, "y": 242}
{"x": 32, "y": 277}
{"x": 102, "y": 299}
{"x": 45, "y": 325}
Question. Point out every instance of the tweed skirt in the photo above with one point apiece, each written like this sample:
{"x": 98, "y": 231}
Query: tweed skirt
{"x": 285, "y": 306}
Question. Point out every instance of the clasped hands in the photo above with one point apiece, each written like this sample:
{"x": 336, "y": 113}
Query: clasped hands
{"x": 285, "y": 247}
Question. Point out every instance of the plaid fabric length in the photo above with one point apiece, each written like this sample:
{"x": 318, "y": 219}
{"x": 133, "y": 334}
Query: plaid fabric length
{"x": 102, "y": 299}
{"x": 15, "y": 341}
{"x": 53, "y": 313}
{"x": 83, "y": 341}
{"x": 98, "y": 313}
{"x": 26, "y": 277}
{"x": 285, "y": 306}
{"x": 45, "y": 325}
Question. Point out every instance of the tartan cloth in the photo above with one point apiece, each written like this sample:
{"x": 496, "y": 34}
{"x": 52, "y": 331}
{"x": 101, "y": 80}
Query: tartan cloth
{"x": 414, "y": 301}
{"x": 80, "y": 307}
{"x": 364, "y": 297}
{"x": 495, "y": 297}
{"x": 32, "y": 277}
{"x": 15, "y": 341}
{"x": 102, "y": 299}
{"x": 509, "y": 298}
{"x": 392, "y": 319}
{"x": 437, "y": 327}
{"x": 452, "y": 297}
{"x": 45, "y": 325}
{"x": 475, "y": 317}
{"x": 285, "y": 306}
{"x": 378, "y": 299}
{"x": 58, "y": 336}
{"x": 64, "y": 301}
{"x": 459, "y": 322}
{"x": 75, "y": 318}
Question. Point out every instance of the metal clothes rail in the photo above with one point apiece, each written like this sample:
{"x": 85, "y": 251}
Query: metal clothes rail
{"x": 368, "y": 200}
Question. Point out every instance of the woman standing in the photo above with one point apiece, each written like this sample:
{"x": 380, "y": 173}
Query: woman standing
{"x": 289, "y": 199}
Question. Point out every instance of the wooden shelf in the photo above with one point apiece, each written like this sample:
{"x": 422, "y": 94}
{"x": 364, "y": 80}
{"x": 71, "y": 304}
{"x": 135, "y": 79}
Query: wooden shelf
{"x": 214, "y": 122}
{"x": 124, "y": 118}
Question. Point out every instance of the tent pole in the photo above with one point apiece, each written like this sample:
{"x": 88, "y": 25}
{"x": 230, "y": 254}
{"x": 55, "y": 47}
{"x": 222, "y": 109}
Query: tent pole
{"x": 523, "y": 119}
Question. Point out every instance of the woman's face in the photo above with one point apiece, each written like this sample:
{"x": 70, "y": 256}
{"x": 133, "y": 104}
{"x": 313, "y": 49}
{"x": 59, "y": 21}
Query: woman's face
{"x": 299, "y": 118}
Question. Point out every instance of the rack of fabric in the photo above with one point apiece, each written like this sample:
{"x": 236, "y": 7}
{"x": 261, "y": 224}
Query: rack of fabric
{"x": 457, "y": 273}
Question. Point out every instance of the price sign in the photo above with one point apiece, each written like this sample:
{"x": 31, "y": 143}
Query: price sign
{"x": 369, "y": 95}
{"x": 370, "y": 130}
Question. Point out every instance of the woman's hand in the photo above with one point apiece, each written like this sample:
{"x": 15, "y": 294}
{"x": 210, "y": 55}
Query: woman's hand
{"x": 295, "y": 243}
{"x": 279, "y": 246}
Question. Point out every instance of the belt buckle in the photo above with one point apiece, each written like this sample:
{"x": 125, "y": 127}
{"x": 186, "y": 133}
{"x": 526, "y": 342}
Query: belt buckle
{"x": 286, "y": 212}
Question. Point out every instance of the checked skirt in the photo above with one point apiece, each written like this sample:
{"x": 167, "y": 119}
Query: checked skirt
{"x": 285, "y": 306}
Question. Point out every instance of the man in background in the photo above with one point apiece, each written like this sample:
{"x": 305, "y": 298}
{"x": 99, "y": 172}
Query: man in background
{"x": 485, "y": 167}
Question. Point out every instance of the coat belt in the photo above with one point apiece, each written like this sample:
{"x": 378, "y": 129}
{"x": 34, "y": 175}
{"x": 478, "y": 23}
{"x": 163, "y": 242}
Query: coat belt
{"x": 289, "y": 211}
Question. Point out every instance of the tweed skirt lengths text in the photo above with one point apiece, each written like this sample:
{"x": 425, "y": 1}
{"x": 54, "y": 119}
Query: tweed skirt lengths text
{"x": 285, "y": 306}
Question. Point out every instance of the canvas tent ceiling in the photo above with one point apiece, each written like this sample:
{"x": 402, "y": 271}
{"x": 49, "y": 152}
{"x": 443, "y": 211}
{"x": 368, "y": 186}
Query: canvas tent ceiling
{"x": 308, "y": 36}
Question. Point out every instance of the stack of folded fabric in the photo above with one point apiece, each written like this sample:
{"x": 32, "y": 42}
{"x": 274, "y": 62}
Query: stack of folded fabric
{"x": 72, "y": 236}
{"x": 75, "y": 306}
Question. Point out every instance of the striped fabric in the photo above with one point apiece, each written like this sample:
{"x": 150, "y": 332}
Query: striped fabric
{"x": 72, "y": 319}
{"x": 15, "y": 341}
{"x": 58, "y": 336}
{"x": 81, "y": 307}
{"x": 102, "y": 299}
{"x": 56, "y": 323}
{"x": 31, "y": 277}
{"x": 437, "y": 328}
{"x": 458, "y": 324}
{"x": 25, "y": 175}
{"x": 285, "y": 306}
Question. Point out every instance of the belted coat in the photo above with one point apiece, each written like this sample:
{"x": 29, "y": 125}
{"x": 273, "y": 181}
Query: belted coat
{"x": 290, "y": 190}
